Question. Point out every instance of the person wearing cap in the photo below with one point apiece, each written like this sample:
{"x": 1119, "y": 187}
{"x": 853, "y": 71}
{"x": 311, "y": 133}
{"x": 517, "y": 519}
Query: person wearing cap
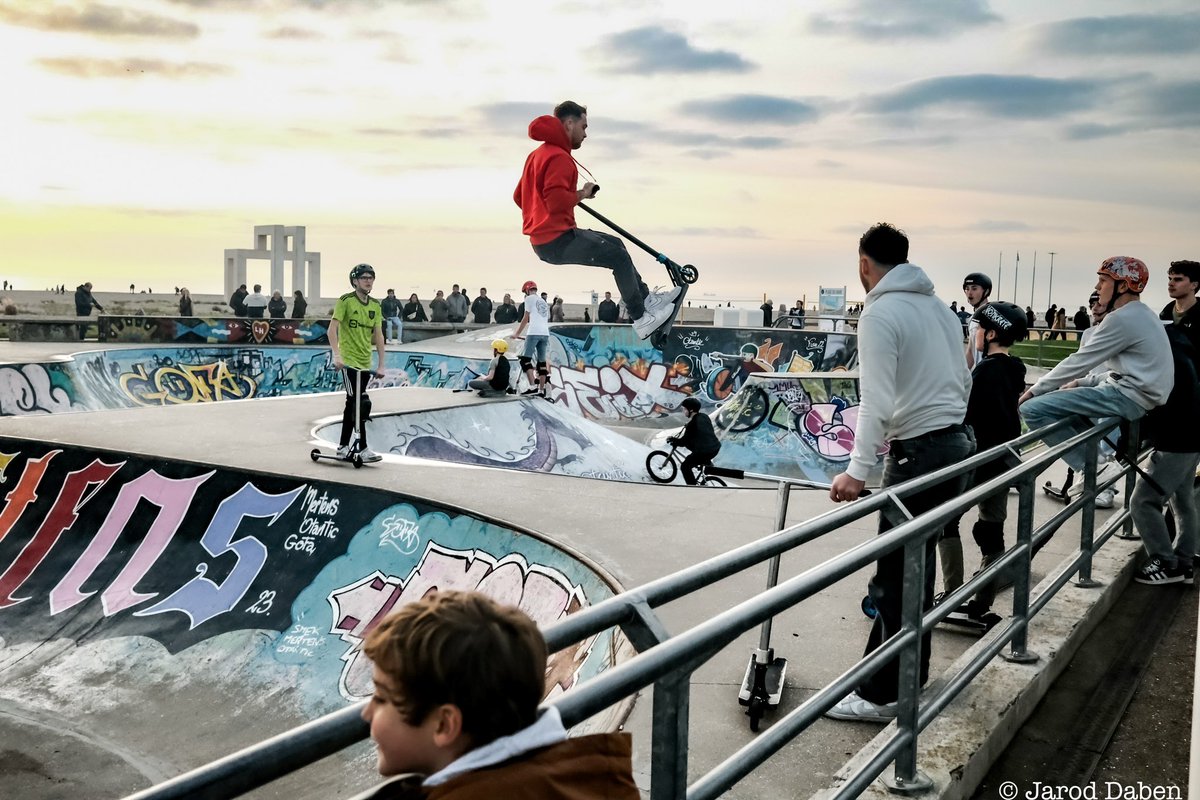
{"x": 535, "y": 320}
{"x": 496, "y": 382}
{"x": 1131, "y": 348}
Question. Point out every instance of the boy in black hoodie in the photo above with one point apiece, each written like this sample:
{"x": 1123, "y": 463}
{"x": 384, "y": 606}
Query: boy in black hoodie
{"x": 699, "y": 437}
{"x": 992, "y": 412}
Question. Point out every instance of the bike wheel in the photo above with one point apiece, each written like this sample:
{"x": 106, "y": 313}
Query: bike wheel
{"x": 661, "y": 466}
{"x": 710, "y": 480}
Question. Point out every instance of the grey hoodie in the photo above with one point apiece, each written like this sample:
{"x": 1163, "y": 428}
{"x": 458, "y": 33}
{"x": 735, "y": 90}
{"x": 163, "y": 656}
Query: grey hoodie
{"x": 912, "y": 375}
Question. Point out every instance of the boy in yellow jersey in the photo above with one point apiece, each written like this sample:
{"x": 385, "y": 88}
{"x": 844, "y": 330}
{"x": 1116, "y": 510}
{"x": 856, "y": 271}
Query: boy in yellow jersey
{"x": 356, "y": 325}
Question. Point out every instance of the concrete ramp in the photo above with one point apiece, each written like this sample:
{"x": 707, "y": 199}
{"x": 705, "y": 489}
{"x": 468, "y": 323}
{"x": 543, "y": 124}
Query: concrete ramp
{"x": 160, "y": 614}
{"x": 526, "y": 434}
{"x": 791, "y": 425}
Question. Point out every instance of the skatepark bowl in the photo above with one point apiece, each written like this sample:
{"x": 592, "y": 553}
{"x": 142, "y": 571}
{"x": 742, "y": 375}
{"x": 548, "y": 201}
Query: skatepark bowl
{"x": 163, "y": 605}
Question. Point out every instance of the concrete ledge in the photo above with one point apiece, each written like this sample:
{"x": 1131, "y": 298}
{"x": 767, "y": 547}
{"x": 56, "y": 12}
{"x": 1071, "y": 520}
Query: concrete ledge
{"x": 961, "y": 744}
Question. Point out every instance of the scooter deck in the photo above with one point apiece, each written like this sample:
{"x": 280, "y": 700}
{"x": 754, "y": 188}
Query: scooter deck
{"x": 354, "y": 458}
{"x": 961, "y": 622}
{"x": 659, "y": 337}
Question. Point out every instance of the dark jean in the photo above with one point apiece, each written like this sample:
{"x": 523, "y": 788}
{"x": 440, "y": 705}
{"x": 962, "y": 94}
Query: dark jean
{"x": 595, "y": 249}
{"x": 909, "y": 459}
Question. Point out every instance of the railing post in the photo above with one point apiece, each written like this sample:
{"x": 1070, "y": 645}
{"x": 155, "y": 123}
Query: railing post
{"x": 1087, "y": 515}
{"x": 1018, "y": 652}
{"x": 907, "y": 779}
{"x": 1131, "y": 457}
{"x": 669, "y": 747}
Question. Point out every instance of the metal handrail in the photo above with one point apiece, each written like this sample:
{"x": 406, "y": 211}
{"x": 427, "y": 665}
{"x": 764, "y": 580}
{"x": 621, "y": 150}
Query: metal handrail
{"x": 666, "y": 662}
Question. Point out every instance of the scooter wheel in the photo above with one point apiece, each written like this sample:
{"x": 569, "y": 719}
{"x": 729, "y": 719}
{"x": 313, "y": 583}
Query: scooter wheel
{"x": 357, "y": 461}
{"x": 868, "y": 607}
{"x": 755, "y": 711}
{"x": 315, "y": 455}
{"x": 689, "y": 274}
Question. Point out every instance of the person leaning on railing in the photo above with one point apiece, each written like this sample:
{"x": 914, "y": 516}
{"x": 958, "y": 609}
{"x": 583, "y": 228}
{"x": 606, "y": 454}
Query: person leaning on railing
{"x": 914, "y": 386}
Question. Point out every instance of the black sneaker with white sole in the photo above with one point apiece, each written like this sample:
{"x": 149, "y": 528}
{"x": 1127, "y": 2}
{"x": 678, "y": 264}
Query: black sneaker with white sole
{"x": 1156, "y": 572}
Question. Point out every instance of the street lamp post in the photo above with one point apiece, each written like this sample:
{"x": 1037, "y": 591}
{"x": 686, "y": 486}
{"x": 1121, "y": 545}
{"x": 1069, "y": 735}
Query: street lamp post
{"x": 1050, "y": 291}
{"x": 1033, "y": 283}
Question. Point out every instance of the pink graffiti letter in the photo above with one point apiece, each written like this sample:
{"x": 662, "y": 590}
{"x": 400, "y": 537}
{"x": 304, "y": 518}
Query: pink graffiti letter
{"x": 173, "y": 498}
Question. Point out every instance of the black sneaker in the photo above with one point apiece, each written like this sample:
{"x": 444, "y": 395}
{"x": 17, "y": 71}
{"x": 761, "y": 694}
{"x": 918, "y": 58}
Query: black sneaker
{"x": 1157, "y": 573}
{"x": 528, "y": 392}
{"x": 1189, "y": 576}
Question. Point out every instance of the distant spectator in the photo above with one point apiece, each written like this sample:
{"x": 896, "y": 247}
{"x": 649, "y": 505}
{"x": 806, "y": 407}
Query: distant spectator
{"x": 84, "y": 303}
{"x": 1051, "y": 313}
{"x": 1059, "y": 326}
{"x": 556, "y": 310}
{"x": 1082, "y": 319}
{"x": 237, "y": 301}
{"x": 768, "y": 309}
{"x": 607, "y": 311}
{"x": 1030, "y": 319}
{"x": 797, "y": 313}
{"x": 439, "y": 310}
{"x": 413, "y": 310}
{"x": 131, "y": 288}
{"x": 392, "y": 309}
{"x": 256, "y": 303}
{"x": 508, "y": 311}
{"x": 457, "y": 305}
{"x": 277, "y": 306}
{"x": 185, "y": 302}
{"x": 482, "y": 308}
{"x": 299, "y": 305}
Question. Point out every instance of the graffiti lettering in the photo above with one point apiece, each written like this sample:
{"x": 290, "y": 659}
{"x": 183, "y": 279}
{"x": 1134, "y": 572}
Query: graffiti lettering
{"x": 616, "y": 394}
{"x": 184, "y": 383}
{"x": 401, "y": 534}
{"x": 304, "y": 544}
{"x": 545, "y": 594}
{"x": 27, "y": 389}
{"x": 201, "y": 599}
{"x": 263, "y": 604}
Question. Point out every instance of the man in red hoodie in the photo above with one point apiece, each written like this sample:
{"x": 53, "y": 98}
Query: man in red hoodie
{"x": 547, "y": 198}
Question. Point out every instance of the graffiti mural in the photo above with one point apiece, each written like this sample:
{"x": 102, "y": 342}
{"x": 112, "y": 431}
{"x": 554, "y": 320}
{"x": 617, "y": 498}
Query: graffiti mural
{"x": 605, "y": 372}
{"x": 521, "y": 434}
{"x": 162, "y": 376}
{"x": 138, "y": 329}
{"x": 102, "y": 548}
{"x": 798, "y": 426}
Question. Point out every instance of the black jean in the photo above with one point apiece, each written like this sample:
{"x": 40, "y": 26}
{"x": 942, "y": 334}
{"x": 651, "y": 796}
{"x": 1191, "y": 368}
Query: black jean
{"x": 909, "y": 459}
{"x": 693, "y": 460}
{"x": 595, "y": 249}
{"x": 358, "y": 405}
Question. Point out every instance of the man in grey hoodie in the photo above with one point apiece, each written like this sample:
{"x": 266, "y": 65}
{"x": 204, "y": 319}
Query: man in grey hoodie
{"x": 459, "y": 305}
{"x": 914, "y": 385}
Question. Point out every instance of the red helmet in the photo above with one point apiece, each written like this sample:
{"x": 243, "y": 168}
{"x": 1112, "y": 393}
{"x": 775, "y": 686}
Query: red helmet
{"x": 1126, "y": 268}
{"x": 528, "y": 285}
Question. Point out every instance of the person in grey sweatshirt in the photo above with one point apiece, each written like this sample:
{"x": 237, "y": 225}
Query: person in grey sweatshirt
{"x": 913, "y": 393}
{"x": 1131, "y": 347}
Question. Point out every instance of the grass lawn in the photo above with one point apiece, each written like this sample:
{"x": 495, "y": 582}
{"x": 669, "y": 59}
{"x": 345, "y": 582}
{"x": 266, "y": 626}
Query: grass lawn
{"x": 1044, "y": 353}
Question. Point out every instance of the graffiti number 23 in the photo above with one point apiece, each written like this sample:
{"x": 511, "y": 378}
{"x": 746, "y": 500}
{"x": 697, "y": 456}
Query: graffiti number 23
{"x": 263, "y": 604}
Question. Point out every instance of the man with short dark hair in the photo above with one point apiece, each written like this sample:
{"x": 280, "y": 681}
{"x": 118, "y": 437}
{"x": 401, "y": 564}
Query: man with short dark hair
{"x": 607, "y": 311}
{"x": 914, "y": 387}
{"x": 457, "y": 305}
{"x": 547, "y": 197}
{"x": 482, "y": 308}
{"x": 1183, "y": 282}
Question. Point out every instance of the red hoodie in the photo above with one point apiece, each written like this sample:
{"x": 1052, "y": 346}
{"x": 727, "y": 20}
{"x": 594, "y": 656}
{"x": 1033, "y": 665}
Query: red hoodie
{"x": 546, "y": 192}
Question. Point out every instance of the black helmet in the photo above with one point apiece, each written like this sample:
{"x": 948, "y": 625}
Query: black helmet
{"x": 1007, "y": 320}
{"x": 691, "y": 404}
{"x": 359, "y": 271}
{"x": 979, "y": 279}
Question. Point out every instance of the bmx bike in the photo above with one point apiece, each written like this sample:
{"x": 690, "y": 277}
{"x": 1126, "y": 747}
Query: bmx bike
{"x": 663, "y": 466}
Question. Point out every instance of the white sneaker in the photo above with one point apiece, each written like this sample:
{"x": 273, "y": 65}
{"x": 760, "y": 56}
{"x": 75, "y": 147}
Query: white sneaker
{"x": 854, "y": 708}
{"x": 343, "y": 451}
{"x": 1106, "y": 498}
{"x": 369, "y": 456}
{"x": 651, "y": 320}
{"x": 656, "y": 299}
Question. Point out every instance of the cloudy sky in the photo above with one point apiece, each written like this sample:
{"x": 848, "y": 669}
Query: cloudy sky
{"x": 756, "y": 140}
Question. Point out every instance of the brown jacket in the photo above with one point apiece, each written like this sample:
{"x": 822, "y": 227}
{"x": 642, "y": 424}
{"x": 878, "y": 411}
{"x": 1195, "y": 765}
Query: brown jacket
{"x": 597, "y": 767}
